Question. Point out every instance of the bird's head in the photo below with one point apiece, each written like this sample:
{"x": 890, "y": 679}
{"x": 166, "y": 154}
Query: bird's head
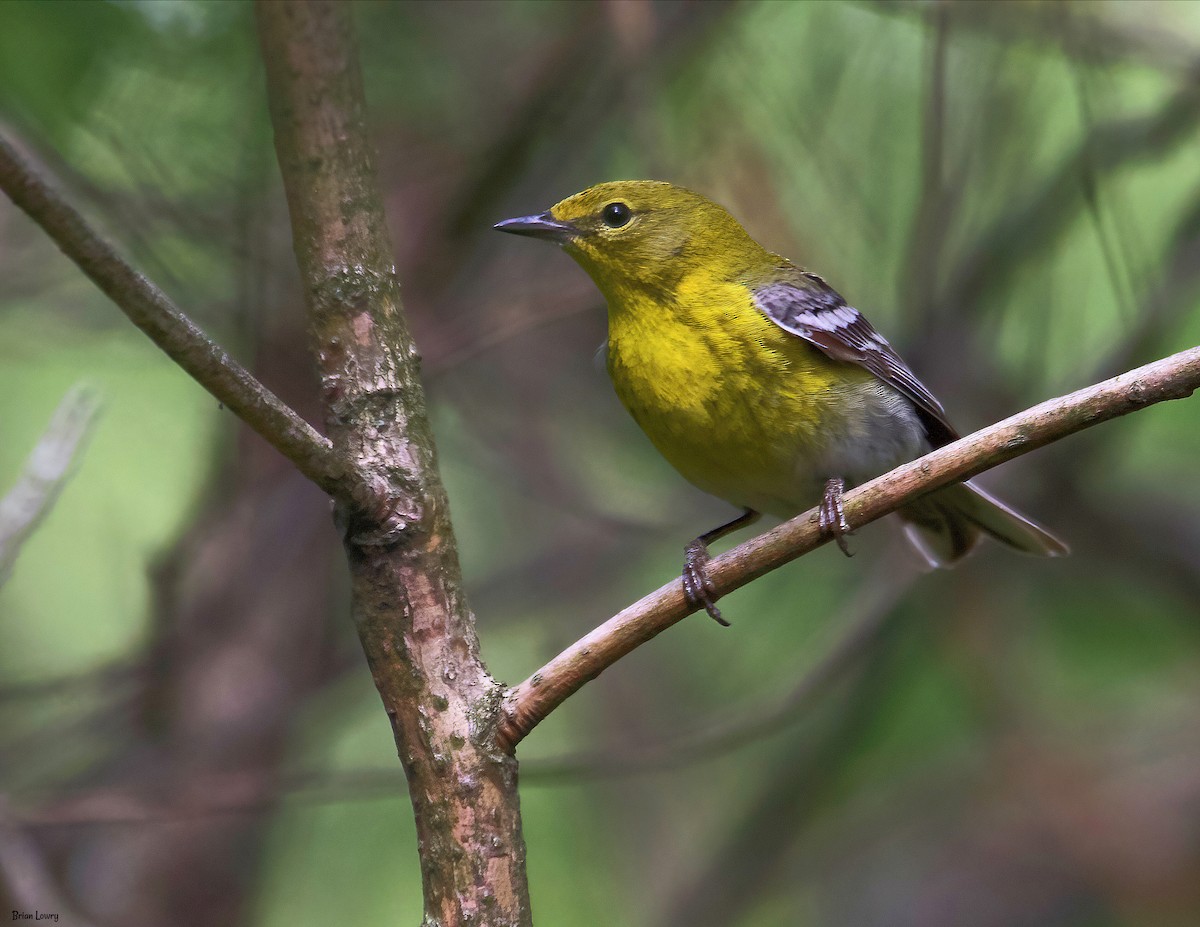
{"x": 641, "y": 234}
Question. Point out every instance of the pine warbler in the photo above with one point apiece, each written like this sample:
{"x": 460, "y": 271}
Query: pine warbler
{"x": 754, "y": 378}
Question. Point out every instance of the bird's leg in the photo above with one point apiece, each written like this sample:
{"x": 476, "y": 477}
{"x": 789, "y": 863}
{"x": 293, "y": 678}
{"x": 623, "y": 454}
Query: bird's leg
{"x": 833, "y": 516}
{"x": 698, "y": 587}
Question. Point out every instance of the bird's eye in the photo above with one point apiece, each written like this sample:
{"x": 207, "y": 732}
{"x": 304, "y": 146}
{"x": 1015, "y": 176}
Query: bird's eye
{"x": 615, "y": 215}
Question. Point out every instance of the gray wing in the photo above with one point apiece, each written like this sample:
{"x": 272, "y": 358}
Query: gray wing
{"x": 813, "y": 310}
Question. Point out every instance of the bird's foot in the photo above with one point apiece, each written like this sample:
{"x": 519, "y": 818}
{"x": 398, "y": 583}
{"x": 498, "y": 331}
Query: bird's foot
{"x": 832, "y": 517}
{"x": 698, "y": 588}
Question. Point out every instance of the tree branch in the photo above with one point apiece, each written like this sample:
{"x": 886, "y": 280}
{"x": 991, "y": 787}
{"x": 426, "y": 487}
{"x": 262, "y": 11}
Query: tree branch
{"x": 413, "y": 621}
{"x": 153, "y": 312}
{"x": 872, "y": 613}
{"x": 1173, "y": 377}
{"x": 47, "y": 470}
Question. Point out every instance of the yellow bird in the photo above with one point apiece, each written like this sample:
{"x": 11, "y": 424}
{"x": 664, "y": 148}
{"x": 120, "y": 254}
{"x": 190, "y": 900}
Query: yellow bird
{"x": 754, "y": 378}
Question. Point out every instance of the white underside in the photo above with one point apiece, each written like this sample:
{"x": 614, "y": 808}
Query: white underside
{"x": 884, "y": 432}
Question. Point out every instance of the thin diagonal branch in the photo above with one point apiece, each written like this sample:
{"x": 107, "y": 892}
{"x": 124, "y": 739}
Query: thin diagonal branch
{"x": 47, "y": 469}
{"x": 873, "y": 613}
{"x": 155, "y": 314}
{"x": 1174, "y": 377}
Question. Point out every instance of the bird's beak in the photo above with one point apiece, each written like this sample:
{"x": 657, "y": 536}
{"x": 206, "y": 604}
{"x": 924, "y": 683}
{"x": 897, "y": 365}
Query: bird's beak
{"x": 543, "y": 225}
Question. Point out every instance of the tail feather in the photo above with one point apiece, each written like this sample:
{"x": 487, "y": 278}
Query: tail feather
{"x": 946, "y": 526}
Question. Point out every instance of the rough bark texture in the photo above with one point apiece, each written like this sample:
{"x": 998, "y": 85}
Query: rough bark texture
{"x": 413, "y": 620}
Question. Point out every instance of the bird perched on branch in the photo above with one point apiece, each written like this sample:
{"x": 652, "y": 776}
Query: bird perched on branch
{"x": 754, "y": 378}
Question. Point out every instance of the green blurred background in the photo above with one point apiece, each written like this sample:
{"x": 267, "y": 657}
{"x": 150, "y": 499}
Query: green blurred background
{"x": 1010, "y": 191}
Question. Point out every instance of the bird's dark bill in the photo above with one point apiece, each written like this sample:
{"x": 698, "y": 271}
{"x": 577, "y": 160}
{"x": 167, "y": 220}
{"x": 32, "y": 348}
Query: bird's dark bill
{"x": 543, "y": 225}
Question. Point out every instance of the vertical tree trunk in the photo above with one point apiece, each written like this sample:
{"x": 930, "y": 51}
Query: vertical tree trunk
{"x": 416, "y": 629}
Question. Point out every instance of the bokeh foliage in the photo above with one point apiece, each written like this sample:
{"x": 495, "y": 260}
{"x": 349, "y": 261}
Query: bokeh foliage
{"x": 1009, "y": 190}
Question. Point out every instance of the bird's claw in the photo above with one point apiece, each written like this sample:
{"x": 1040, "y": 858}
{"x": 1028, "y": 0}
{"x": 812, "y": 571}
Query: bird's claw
{"x": 698, "y": 588}
{"x": 832, "y": 517}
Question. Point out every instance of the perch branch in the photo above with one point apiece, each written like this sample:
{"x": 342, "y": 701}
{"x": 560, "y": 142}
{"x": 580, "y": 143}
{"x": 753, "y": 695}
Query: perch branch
{"x": 153, "y": 312}
{"x": 1174, "y": 377}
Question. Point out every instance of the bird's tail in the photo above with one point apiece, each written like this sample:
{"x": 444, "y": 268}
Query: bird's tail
{"x": 945, "y": 526}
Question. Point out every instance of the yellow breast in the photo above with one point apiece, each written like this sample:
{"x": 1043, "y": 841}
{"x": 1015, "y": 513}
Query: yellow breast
{"x": 737, "y": 405}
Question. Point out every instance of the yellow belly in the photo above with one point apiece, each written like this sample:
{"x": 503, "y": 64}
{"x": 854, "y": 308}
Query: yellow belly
{"x": 741, "y": 408}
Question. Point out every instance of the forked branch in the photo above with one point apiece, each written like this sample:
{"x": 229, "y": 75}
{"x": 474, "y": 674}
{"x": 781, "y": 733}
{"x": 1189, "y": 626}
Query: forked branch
{"x": 416, "y": 629}
{"x": 1173, "y": 377}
